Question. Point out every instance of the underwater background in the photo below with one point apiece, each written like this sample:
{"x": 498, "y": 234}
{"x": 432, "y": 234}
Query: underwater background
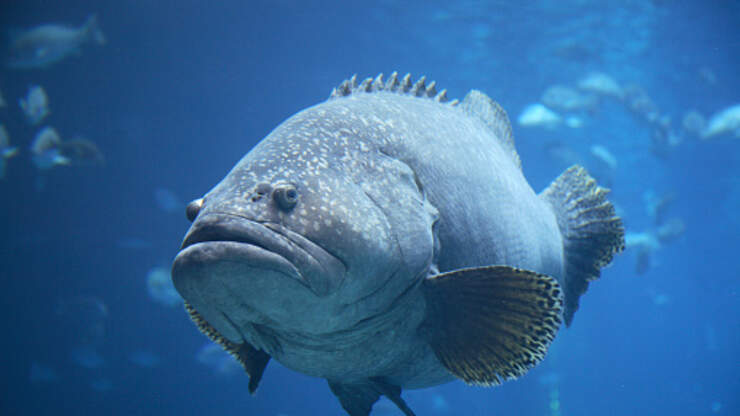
{"x": 181, "y": 90}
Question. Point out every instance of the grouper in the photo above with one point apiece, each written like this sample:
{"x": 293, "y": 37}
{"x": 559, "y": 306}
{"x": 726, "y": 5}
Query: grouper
{"x": 387, "y": 239}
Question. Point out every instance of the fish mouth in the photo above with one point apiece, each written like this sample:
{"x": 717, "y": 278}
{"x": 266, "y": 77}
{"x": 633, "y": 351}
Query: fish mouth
{"x": 217, "y": 237}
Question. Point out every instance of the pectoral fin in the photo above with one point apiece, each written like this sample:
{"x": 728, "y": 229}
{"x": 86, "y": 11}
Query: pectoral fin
{"x": 358, "y": 398}
{"x": 490, "y": 324}
{"x": 253, "y": 360}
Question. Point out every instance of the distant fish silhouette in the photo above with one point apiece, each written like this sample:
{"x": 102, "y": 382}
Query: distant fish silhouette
{"x": 35, "y": 105}
{"x": 48, "y": 44}
{"x": 49, "y": 150}
{"x": 6, "y": 150}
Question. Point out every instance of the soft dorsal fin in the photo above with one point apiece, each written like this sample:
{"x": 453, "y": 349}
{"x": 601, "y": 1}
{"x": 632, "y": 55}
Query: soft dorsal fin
{"x": 479, "y": 105}
{"x": 403, "y": 86}
{"x": 592, "y": 232}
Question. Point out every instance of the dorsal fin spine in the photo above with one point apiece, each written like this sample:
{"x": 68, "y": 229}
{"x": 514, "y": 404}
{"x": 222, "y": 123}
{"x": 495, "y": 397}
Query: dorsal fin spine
{"x": 404, "y": 85}
{"x": 392, "y": 83}
{"x": 431, "y": 91}
{"x": 366, "y": 85}
{"x": 441, "y": 96}
{"x": 419, "y": 87}
{"x": 378, "y": 83}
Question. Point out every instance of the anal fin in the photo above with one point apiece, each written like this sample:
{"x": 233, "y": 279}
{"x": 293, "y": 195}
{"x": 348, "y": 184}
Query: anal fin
{"x": 358, "y": 398}
{"x": 490, "y": 324}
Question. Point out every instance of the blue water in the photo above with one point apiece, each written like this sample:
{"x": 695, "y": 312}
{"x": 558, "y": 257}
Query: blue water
{"x": 183, "y": 89}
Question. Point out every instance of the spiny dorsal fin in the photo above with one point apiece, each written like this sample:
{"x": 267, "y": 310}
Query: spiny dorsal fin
{"x": 401, "y": 86}
{"x": 253, "y": 360}
{"x": 490, "y": 112}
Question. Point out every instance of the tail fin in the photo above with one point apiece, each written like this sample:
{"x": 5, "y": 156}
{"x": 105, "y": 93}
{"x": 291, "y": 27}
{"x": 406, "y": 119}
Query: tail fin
{"x": 592, "y": 233}
{"x": 93, "y": 30}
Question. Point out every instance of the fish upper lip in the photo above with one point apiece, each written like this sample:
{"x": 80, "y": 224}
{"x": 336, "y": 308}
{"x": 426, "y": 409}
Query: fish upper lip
{"x": 316, "y": 268}
{"x": 217, "y": 227}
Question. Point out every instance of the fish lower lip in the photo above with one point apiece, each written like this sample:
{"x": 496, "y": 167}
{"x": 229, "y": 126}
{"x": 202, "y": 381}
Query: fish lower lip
{"x": 202, "y": 254}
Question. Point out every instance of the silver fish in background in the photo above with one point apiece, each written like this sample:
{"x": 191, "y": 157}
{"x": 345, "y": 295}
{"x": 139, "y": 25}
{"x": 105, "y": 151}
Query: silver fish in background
{"x": 387, "y": 239}
{"x": 35, "y": 105}
{"x": 724, "y": 122}
{"x": 6, "y": 150}
{"x": 48, "y": 44}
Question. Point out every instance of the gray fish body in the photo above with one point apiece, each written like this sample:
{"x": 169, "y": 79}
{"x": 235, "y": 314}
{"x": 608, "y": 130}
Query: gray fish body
{"x": 392, "y": 190}
{"x": 47, "y": 44}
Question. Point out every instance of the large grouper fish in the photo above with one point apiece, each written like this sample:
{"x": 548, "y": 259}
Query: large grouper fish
{"x": 387, "y": 239}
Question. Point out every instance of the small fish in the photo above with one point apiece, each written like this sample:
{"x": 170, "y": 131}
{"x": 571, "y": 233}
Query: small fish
{"x": 36, "y": 104}
{"x": 82, "y": 152}
{"x": 388, "y": 239}
{"x": 45, "y": 149}
{"x": 6, "y": 150}
{"x": 48, "y": 151}
{"x": 48, "y": 44}
{"x": 537, "y": 115}
{"x": 564, "y": 98}
{"x": 601, "y": 83}
{"x": 726, "y": 121}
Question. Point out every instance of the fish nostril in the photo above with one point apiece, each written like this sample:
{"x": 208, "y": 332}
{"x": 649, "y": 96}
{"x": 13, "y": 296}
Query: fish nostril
{"x": 286, "y": 196}
{"x": 262, "y": 189}
{"x": 193, "y": 208}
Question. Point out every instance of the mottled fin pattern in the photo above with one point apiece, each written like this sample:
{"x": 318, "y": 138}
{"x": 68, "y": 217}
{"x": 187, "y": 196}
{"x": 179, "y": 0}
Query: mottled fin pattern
{"x": 395, "y": 84}
{"x": 490, "y": 324}
{"x": 592, "y": 233}
{"x": 358, "y": 398}
{"x": 494, "y": 116}
{"x": 253, "y": 360}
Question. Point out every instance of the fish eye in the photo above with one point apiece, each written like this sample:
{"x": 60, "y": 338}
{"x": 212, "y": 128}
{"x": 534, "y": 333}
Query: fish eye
{"x": 191, "y": 211}
{"x": 286, "y": 196}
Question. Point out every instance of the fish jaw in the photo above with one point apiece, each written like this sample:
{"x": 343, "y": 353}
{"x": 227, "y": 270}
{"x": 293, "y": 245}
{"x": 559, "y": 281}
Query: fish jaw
{"x": 234, "y": 269}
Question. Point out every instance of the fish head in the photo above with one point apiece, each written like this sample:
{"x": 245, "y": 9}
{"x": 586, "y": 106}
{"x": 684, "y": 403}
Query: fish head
{"x": 314, "y": 230}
